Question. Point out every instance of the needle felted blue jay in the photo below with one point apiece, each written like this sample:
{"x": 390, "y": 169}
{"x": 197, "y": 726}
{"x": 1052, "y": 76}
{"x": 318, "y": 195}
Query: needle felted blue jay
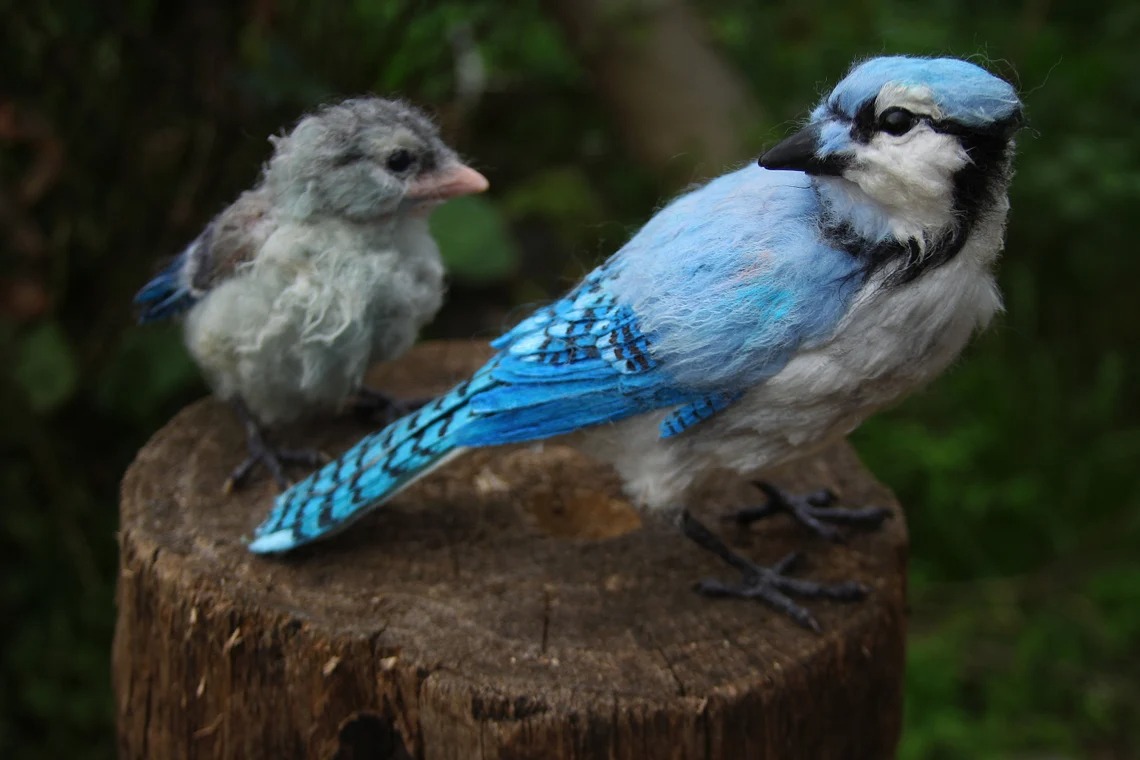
{"x": 749, "y": 322}
{"x": 326, "y": 266}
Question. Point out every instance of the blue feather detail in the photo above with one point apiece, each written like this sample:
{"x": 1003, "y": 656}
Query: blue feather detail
{"x": 539, "y": 319}
{"x": 369, "y": 473}
{"x": 563, "y": 317}
{"x": 964, "y": 92}
{"x": 171, "y": 292}
{"x": 167, "y": 295}
{"x": 697, "y": 411}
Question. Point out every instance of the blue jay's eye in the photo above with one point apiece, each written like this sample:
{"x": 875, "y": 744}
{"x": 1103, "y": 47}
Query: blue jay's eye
{"x": 399, "y": 160}
{"x": 896, "y": 121}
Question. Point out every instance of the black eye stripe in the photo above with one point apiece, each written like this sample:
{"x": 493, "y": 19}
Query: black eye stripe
{"x": 865, "y": 123}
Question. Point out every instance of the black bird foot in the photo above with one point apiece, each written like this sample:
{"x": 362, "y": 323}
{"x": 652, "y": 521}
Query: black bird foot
{"x": 371, "y": 405}
{"x": 271, "y": 457}
{"x": 813, "y": 510}
{"x": 770, "y": 585}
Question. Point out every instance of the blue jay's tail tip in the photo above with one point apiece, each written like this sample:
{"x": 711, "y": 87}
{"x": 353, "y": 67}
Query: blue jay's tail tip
{"x": 273, "y": 543}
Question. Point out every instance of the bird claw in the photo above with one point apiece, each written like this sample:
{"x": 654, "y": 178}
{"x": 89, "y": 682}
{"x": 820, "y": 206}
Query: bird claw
{"x": 813, "y": 510}
{"x": 274, "y": 460}
{"x": 771, "y": 586}
{"x": 271, "y": 457}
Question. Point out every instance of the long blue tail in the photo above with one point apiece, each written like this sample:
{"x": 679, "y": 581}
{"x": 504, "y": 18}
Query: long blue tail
{"x": 371, "y": 472}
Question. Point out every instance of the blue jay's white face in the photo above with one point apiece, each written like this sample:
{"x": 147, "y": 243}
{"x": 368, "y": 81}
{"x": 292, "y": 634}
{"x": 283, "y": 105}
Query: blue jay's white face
{"x": 906, "y": 140}
{"x": 896, "y": 156}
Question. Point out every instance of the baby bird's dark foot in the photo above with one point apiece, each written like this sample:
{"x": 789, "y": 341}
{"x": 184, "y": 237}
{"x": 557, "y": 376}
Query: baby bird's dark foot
{"x": 813, "y": 510}
{"x": 371, "y": 405}
{"x": 770, "y": 585}
{"x": 271, "y": 457}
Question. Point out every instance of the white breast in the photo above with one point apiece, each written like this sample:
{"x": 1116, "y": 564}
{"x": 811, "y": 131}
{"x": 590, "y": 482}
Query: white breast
{"x": 296, "y": 329}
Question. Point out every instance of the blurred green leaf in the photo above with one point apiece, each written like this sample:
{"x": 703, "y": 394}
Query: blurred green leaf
{"x": 562, "y": 194}
{"x": 46, "y": 367}
{"x": 474, "y": 240}
{"x": 150, "y": 368}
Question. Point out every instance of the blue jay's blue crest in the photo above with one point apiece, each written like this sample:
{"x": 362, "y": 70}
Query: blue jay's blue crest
{"x": 963, "y": 92}
{"x": 747, "y": 321}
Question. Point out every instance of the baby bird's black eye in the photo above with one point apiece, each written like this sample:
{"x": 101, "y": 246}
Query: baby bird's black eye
{"x": 897, "y": 121}
{"x": 399, "y": 160}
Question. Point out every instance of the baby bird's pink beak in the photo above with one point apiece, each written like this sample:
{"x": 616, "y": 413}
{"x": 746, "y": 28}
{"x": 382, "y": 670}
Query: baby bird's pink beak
{"x": 450, "y": 182}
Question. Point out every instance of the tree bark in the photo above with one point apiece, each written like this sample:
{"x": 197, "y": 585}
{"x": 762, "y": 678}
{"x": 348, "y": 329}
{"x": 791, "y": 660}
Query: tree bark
{"x": 511, "y": 605}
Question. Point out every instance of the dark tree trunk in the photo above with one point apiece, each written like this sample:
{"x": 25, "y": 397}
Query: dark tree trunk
{"x": 680, "y": 107}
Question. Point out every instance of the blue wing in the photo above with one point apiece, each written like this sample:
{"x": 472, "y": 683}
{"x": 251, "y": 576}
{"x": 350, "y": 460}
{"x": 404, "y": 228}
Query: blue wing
{"x": 172, "y": 291}
{"x": 581, "y": 361}
{"x": 697, "y": 411}
{"x": 230, "y": 239}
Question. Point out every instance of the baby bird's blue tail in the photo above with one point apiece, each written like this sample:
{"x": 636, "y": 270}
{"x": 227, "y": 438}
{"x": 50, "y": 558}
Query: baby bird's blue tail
{"x": 371, "y": 472}
{"x": 166, "y": 295}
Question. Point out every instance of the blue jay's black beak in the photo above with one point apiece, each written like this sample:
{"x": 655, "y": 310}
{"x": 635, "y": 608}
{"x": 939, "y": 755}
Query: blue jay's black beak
{"x": 799, "y": 153}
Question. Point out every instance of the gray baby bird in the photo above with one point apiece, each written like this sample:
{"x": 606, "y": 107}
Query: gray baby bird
{"x": 326, "y": 266}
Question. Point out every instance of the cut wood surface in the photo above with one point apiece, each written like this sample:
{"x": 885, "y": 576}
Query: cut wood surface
{"x": 511, "y": 605}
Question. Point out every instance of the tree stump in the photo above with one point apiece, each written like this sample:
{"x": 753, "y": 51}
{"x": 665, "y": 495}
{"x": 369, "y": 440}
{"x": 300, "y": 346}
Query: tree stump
{"x": 511, "y": 605}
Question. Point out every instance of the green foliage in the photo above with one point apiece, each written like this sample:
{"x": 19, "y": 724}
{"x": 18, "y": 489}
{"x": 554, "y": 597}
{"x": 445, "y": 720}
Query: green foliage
{"x": 474, "y": 240}
{"x": 149, "y": 367}
{"x": 45, "y": 368}
{"x": 125, "y": 129}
